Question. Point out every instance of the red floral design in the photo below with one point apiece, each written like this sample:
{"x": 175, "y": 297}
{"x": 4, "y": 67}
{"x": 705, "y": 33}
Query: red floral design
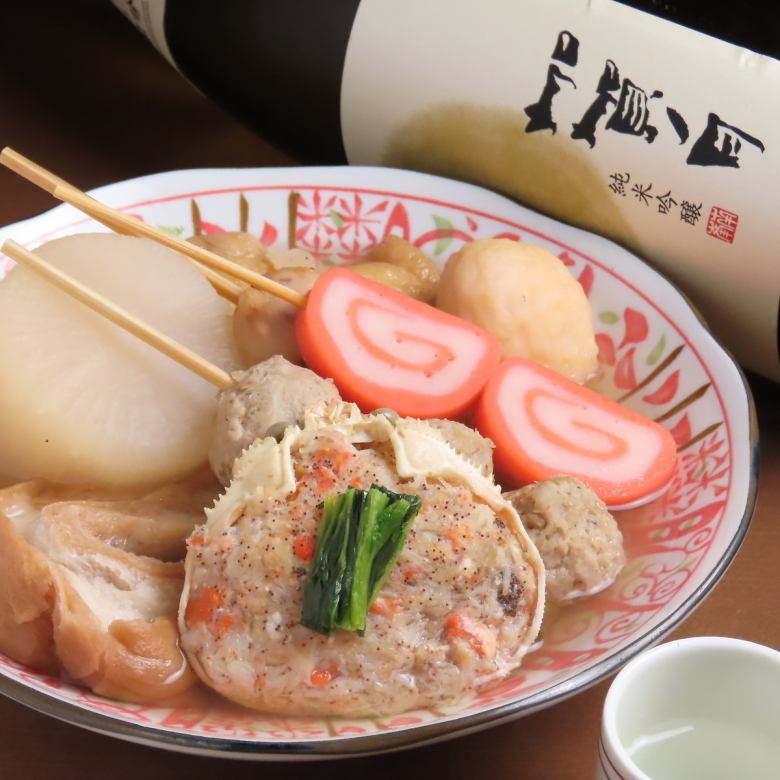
{"x": 360, "y": 225}
{"x": 567, "y": 259}
{"x": 681, "y": 431}
{"x": 607, "y": 351}
{"x": 636, "y": 327}
{"x": 268, "y": 235}
{"x": 131, "y": 712}
{"x": 439, "y": 234}
{"x": 625, "y": 373}
{"x": 666, "y": 392}
{"x": 586, "y": 279}
{"x": 551, "y": 659}
{"x": 397, "y": 222}
{"x": 316, "y": 229}
{"x": 502, "y": 691}
{"x": 707, "y": 466}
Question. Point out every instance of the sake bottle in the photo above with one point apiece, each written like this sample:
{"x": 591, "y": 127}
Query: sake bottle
{"x": 617, "y": 117}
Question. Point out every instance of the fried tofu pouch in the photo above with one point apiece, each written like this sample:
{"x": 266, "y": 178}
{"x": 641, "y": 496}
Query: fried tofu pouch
{"x": 460, "y": 607}
{"x": 90, "y": 582}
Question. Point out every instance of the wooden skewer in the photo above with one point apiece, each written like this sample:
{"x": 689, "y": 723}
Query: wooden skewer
{"x": 135, "y": 227}
{"x": 29, "y": 170}
{"x": 223, "y": 286}
{"x": 178, "y": 352}
{"x": 48, "y": 181}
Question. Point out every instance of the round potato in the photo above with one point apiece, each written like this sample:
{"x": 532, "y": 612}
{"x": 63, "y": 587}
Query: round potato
{"x": 524, "y": 295}
{"x": 83, "y": 401}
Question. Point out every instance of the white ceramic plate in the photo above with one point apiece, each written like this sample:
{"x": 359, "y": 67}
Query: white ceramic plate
{"x": 656, "y": 356}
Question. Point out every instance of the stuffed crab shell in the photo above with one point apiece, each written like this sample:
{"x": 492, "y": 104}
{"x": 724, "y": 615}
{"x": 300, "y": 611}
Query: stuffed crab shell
{"x": 459, "y": 608}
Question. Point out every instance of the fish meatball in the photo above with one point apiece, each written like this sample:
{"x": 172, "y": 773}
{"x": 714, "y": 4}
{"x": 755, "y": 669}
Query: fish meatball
{"x": 264, "y": 325}
{"x": 578, "y": 539}
{"x": 272, "y": 392}
{"x": 524, "y": 295}
{"x": 401, "y": 254}
{"x": 291, "y": 258}
{"x": 393, "y": 276}
{"x": 236, "y": 245}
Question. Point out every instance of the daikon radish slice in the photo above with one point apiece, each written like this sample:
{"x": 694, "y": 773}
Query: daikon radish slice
{"x": 384, "y": 349}
{"x": 544, "y": 424}
{"x": 83, "y": 401}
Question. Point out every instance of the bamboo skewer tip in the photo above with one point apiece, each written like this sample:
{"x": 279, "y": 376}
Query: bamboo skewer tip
{"x": 123, "y": 223}
{"x": 29, "y": 170}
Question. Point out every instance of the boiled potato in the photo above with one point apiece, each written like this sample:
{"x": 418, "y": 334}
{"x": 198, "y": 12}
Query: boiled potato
{"x": 83, "y": 401}
{"x": 524, "y": 295}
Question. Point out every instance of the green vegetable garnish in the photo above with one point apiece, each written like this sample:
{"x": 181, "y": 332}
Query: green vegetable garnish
{"x": 360, "y": 538}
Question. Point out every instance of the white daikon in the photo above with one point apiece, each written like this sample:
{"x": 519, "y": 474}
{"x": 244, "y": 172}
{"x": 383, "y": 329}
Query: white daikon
{"x": 83, "y": 401}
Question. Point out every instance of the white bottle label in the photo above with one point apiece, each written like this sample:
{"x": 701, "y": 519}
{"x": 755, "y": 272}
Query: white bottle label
{"x": 603, "y": 116}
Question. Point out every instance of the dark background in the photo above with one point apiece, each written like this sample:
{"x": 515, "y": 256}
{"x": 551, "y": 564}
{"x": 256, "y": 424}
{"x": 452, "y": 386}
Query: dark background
{"x": 83, "y": 92}
{"x": 85, "y": 95}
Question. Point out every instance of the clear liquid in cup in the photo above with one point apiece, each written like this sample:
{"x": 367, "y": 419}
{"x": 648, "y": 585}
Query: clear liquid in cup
{"x": 706, "y": 749}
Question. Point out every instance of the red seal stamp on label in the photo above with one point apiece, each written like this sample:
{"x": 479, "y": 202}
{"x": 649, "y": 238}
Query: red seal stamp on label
{"x": 722, "y": 224}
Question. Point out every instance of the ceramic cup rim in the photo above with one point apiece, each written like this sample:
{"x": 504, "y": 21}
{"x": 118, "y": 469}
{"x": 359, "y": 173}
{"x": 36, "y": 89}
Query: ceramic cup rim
{"x": 645, "y": 662}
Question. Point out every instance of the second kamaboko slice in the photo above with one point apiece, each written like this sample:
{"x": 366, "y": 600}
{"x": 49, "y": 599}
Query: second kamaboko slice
{"x": 385, "y": 349}
{"x": 544, "y": 424}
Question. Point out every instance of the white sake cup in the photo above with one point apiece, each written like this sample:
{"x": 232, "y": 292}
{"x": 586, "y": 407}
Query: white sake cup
{"x": 706, "y": 707}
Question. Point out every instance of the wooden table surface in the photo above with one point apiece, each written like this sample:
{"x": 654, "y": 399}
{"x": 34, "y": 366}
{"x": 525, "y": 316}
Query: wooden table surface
{"x": 85, "y": 95}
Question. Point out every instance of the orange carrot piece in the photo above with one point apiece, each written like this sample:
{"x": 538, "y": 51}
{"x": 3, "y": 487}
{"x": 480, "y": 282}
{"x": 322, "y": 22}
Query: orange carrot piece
{"x": 339, "y": 458}
{"x": 481, "y": 638}
{"x": 326, "y": 481}
{"x": 544, "y": 424}
{"x": 385, "y": 349}
{"x": 322, "y": 676}
{"x": 201, "y": 608}
{"x": 459, "y": 536}
{"x": 303, "y": 546}
{"x": 222, "y": 625}
{"x": 455, "y": 627}
{"x": 386, "y": 606}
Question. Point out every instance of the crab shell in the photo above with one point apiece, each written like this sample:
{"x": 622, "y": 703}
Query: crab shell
{"x": 265, "y": 470}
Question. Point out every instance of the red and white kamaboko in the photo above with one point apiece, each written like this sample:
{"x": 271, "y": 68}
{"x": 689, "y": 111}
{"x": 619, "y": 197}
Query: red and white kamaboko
{"x": 544, "y": 424}
{"x": 385, "y": 349}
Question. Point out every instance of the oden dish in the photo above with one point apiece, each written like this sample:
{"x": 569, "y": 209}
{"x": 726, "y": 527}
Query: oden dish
{"x": 462, "y": 604}
{"x": 676, "y": 548}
